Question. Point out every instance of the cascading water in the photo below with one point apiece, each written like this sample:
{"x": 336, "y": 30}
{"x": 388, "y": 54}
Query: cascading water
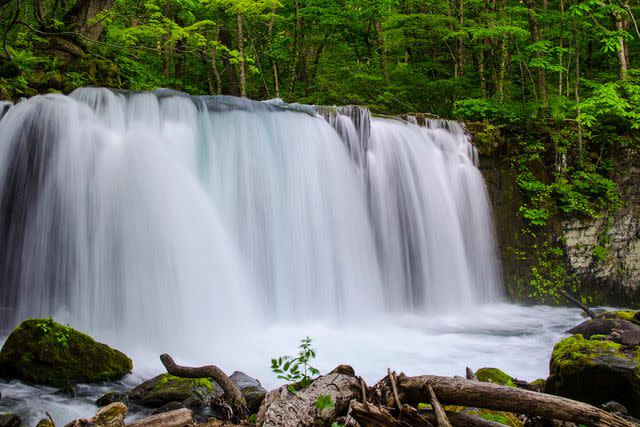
{"x": 116, "y": 206}
{"x": 223, "y": 230}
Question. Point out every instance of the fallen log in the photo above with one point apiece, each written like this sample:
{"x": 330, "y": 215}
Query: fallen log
{"x": 457, "y": 391}
{"x": 369, "y": 415}
{"x": 232, "y": 393}
{"x": 441, "y": 416}
{"x": 178, "y": 418}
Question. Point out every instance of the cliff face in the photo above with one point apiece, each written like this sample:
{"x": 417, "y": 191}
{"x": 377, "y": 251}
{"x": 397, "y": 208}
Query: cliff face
{"x": 600, "y": 257}
{"x": 605, "y": 253}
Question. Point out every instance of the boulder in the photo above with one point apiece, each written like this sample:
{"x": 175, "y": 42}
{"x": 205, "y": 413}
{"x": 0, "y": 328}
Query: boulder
{"x": 10, "y": 420}
{"x": 495, "y": 376}
{"x": 251, "y": 389}
{"x": 282, "y": 408}
{"x": 595, "y": 372}
{"x": 616, "y": 329}
{"x": 167, "y": 388}
{"x": 42, "y": 351}
{"x": 110, "y": 416}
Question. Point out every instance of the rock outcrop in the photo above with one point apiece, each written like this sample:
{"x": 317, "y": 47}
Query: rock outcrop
{"x": 166, "y": 388}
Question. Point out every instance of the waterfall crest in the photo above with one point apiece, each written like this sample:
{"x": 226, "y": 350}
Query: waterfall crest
{"x": 162, "y": 212}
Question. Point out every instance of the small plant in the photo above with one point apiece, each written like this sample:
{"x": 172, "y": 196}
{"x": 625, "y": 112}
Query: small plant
{"x": 253, "y": 419}
{"x": 324, "y": 402}
{"x": 48, "y": 325}
{"x": 296, "y": 370}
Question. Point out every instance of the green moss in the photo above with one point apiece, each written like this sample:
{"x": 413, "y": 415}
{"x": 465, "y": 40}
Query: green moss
{"x": 45, "y": 352}
{"x": 506, "y": 418}
{"x": 494, "y": 375}
{"x": 576, "y": 351}
{"x": 621, "y": 314}
{"x": 167, "y": 388}
{"x": 598, "y": 337}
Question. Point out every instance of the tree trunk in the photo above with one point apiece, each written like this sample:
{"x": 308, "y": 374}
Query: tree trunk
{"x": 462, "y": 392}
{"x": 381, "y": 51}
{"x": 622, "y": 50}
{"x": 460, "y": 40}
{"x": 241, "y": 65}
{"x": 81, "y": 15}
{"x": 214, "y": 62}
{"x": 166, "y": 45}
{"x": 296, "y": 48}
{"x": 541, "y": 80}
{"x": 502, "y": 67}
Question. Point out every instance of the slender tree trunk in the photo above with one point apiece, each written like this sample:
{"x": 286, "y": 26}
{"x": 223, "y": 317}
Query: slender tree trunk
{"x": 482, "y": 73}
{"x": 381, "y": 51}
{"x": 560, "y": 56}
{"x": 214, "y": 62}
{"x": 166, "y": 48}
{"x": 541, "y": 80}
{"x": 576, "y": 86}
{"x": 296, "y": 47}
{"x": 460, "y": 41}
{"x": 276, "y": 82}
{"x": 622, "y": 50}
{"x": 241, "y": 65}
{"x": 502, "y": 67}
{"x": 228, "y": 72}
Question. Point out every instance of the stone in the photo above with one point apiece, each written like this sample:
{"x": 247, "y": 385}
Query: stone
{"x": 595, "y": 372}
{"x": 112, "y": 415}
{"x": 166, "y": 388}
{"x": 42, "y": 351}
{"x": 251, "y": 389}
{"x": 282, "y": 408}
{"x": 615, "y": 407}
{"x": 112, "y": 397}
{"x": 616, "y": 329}
{"x": 168, "y": 407}
{"x": 10, "y": 420}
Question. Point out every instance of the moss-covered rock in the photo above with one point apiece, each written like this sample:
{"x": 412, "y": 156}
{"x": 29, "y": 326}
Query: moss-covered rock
{"x": 112, "y": 415}
{"x": 10, "y": 420}
{"x": 42, "y": 351}
{"x": 166, "y": 388}
{"x": 595, "y": 372}
{"x": 45, "y": 422}
{"x": 629, "y": 315}
{"x": 251, "y": 389}
{"x": 494, "y": 375}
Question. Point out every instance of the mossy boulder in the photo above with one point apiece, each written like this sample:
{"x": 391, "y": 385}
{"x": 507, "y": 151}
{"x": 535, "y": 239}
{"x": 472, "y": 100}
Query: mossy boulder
{"x": 494, "y": 375}
{"x": 595, "y": 372}
{"x": 629, "y": 315}
{"x": 167, "y": 388}
{"x": 42, "y": 351}
{"x": 10, "y": 420}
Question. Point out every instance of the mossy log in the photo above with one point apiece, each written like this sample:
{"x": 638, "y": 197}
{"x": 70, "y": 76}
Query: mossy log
{"x": 458, "y": 391}
{"x": 232, "y": 393}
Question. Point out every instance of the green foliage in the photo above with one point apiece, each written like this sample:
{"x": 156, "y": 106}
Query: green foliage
{"x": 297, "y": 370}
{"x": 324, "y": 402}
{"x": 548, "y": 275}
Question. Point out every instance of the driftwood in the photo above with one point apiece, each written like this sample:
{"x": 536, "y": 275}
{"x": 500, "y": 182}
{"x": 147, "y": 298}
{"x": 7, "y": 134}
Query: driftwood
{"x": 471, "y": 376}
{"x": 232, "y": 393}
{"x": 441, "y": 417}
{"x": 369, "y": 415}
{"x": 580, "y": 305}
{"x": 414, "y": 390}
{"x": 179, "y": 418}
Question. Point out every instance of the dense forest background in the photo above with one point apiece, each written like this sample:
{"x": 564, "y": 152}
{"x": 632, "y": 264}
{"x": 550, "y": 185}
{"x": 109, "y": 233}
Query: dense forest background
{"x": 558, "y": 79}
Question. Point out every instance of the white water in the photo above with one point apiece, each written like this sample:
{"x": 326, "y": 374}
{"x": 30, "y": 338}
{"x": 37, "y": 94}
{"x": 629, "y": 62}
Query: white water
{"x": 224, "y": 230}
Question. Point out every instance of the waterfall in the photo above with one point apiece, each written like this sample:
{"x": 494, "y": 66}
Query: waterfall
{"x": 161, "y": 212}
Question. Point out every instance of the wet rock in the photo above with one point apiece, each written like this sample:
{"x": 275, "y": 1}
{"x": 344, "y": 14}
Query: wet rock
{"x": 619, "y": 330}
{"x": 45, "y": 422}
{"x": 10, "y": 420}
{"x": 110, "y": 416}
{"x": 166, "y": 388}
{"x": 251, "y": 389}
{"x": 595, "y": 372}
{"x": 112, "y": 397}
{"x": 284, "y": 409}
{"x": 42, "y": 351}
